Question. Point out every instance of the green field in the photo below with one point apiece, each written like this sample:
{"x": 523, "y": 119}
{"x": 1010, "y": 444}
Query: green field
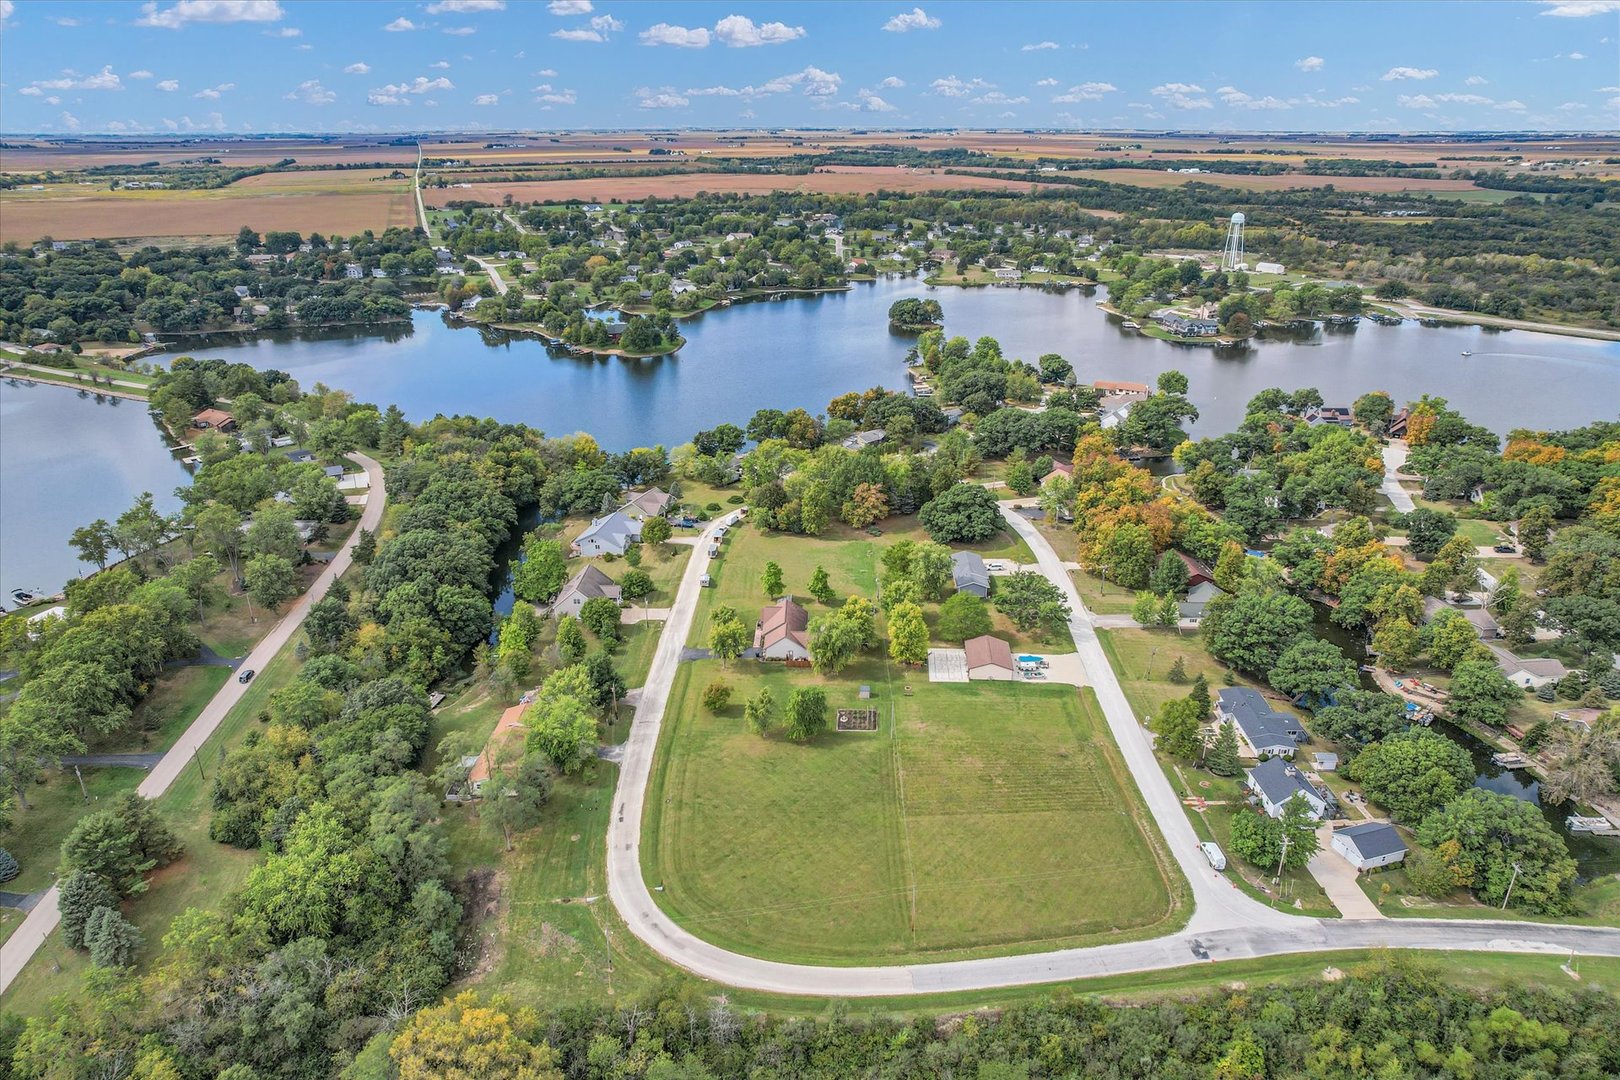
{"x": 975, "y": 820}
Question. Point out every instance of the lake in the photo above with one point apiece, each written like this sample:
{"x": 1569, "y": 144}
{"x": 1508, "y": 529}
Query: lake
{"x": 69, "y": 457}
{"x": 804, "y": 351}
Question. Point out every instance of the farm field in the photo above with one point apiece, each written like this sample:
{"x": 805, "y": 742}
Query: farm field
{"x": 1154, "y": 178}
{"x": 974, "y": 819}
{"x": 684, "y": 185}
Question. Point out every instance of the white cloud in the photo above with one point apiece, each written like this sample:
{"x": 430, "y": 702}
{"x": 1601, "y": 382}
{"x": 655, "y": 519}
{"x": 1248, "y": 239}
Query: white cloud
{"x": 741, "y": 32}
{"x": 870, "y": 102}
{"x": 31, "y": 91}
{"x": 420, "y": 85}
{"x": 461, "y": 31}
{"x": 1087, "y": 91}
{"x": 487, "y": 99}
{"x": 1511, "y": 106}
{"x": 1476, "y": 80}
{"x": 996, "y": 97}
{"x": 7, "y": 10}
{"x": 1580, "y": 9}
{"x": 1577, "y": 56}
{"x": 1236, "y": 98}
{"x": 569, "y": 7}
{"x": 359, "y": 67}
{"x": 378, "y": 98}
{"x": 285, "y": 32}
{"x": 168, "y": 86}
{"x": 1046, "y": 82}
{"x": 679, "y": 36}
{"x": 1181, "y": 95}
{"x": 598, "y": 30}
{"x": 545, "y": 95}
{"x": 400, "y": 25}
{"x": 311, "y": 92}
{"x": 1310, "y": 63}
{"x": 59, "y": 20}
{"x": 1396, "y": 74}
{"x": 1462, "y": 99}
{"x": 663, "y": 98}
{"x": 577, "y": 35}
{"x": 1332, "y": 103}
{"x": 915, "y": 19}
{"x": 547, "y": 73}
{"x": 953, "y": 87}
{"x": 440, "y": 65}
{"x": 209, "y": 11}
{"x": 212, "y": 93}
{"x": 1420, "y": 101}
{"x": 818, "y": 83}
{"x": 105, "y": 79}
{"x": 606, "y": 23}
{"x": 893, "y": 82}
{"x": 714, "y": 91}
{"x": 70, "y": 121}
{"x": 142, "y": 74}
{"x": 464, "y": 7}
{"x": 1039, "y": 46}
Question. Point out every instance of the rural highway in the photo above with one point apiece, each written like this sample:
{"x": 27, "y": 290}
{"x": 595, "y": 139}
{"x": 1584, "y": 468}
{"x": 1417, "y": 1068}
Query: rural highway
{"x": 1225, "y": 924}
{"x": 38, "y": 924}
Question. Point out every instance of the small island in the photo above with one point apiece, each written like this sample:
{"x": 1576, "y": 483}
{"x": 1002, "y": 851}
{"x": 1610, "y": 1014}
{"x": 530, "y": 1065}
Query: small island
{"x": 915, "y": 316}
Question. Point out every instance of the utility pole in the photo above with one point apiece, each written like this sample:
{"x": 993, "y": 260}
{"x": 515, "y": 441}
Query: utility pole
{"x": 80, "y": 777}
{"x": 1511, "y": 880}
{"x": 1282, "y": 858}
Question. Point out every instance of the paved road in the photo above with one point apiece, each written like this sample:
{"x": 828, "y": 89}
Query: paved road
{"x": 114, "y": 761}
{"x": 28, "y": 937}
{"x": 1225, "y": 925}
{"x": 11, "y": 372}
{"x": 1415, "y": 311}
{"x": 1394, "y": 458}
{"x": 494, "y": 274}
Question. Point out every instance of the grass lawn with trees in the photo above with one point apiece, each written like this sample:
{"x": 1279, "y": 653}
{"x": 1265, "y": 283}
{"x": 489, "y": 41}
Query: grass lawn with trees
{"x": 978, "y": 818}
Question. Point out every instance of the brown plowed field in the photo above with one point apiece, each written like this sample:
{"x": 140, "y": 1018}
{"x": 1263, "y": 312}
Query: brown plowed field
{"x": 195, "y": 214}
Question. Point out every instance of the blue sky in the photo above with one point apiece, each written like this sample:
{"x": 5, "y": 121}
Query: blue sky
{"x": 440, "y": 65}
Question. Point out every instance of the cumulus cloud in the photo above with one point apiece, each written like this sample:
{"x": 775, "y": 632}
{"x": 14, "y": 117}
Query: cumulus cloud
{"x": 1039, "y": 46}
{"x": 907, "y": 21}
{"x": 1415, "y": 101}
{"x": 580, "y": 34}
{"x": 461, "y": 31}
{"x": 598, "y": 30}
{"x": 168, "y": 86}
{"x": 662, "y": 98}
{"x": 400, "y": 25}
{"x": 678, "y": 36}
{"x": 440, "y": 65}
{"x": 547, "y": 73}
{"x": 893, "y": 82}
{"x": 996, "y": 97}
{"x": 1086, "y": 91}
{"x": 186, "y": 12}
{"x": 952, "y": 87}
{"x": 546, "y": 95}
{"x": 812, "y": 82}
{"x": 569, "y": 7}
{"x": 487, "y": 99}
{"x": 1462, "y": 99}
{"x": 311, "y": 92}
{"x": 359, "y": 67}
{"x": 870, "y": 102}
{"x": 1475, "y": 80}
{"x": 1181, "y": 96}
{"x": 1236, "y": 98}
{"x": 142, "y": 74}
{"x": 741, "y": 32}
{"x": 1310, "y": 63}
{"x": 1396, "y": 74}
{"x": 105, "y": 79}
{"x": 464, "y": 7}
{"x": 70, "y": 121}
{"x": 1579, "y": 9}
{"x": 1046, "y": 82}
{"x": 1511, "y": 106}
{"x": 212, "y": 93}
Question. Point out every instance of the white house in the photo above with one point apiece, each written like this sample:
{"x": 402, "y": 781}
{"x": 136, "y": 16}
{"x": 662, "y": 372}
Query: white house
{"x": 610, "y": 535}
{"x": 588, "y": 584}
{"x": 1275, "y": 782}
{"x": 782, "y": 632}
{"x": 1370, "y": 845}
{"x": 969, "y": 574}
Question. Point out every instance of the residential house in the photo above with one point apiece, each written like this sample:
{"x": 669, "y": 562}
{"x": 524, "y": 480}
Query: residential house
{"x": 1059, "y": 468}
{"x": 1483, "y": 622}
{"x": 1370, "y": 845}
{"x": 1274, "y": 781}
{"x": 218, "y": 419}
{"x": 1397, "y": 423}
{"x": 1182, "y": 326}
{"x": 1268, "y": 733}
{"x": 953, "y": 416}
{"x": 242, "y": 291}
{"x": 862, "y": 439}
{"x": 989, "y": 658}
{"x": 648, "y": 504}
{"x": 299, "y": 457}
{"x": 1114, "y": 412}
{"x": 588, "y": 584}
{"x": 1329, "y": 414}
{"x": 609, "y": 535}
{"x": 782, "y": 632}
{"x": 1198, "y": 597}
{"x": 1529, "y": 674}
{"x": 510, "y": 727}
{"x": 968, "y": 573}
{"x": 1112, "y": 388}
{"x": 1197, "y": 572}
{"x": 1007, "y": 273}
{"x": 353, "y": 270}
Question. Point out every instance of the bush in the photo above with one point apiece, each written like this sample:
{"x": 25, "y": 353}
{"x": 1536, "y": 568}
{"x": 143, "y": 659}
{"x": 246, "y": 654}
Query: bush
{"x": 737, "y": 500}
{"x": 713, "y": 508}
{"x": 716, "y": 696}
{"x": 8, "y": 865}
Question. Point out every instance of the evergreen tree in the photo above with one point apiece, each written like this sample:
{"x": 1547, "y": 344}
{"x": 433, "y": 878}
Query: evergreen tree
{"x": 1223, "y": 756}
{"x": 80, "y": 894}
{"x": 1169, "y": 577}
{"x": 1178, "y": 671}
{"x": 111, "y": 939}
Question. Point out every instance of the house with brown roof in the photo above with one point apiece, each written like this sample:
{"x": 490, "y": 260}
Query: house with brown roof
{"x": 218, "y": 419}
{"x": 989, "y": 657}
{"x": 1115, "y": 388}
{"x": 1059, "y": 468}
{"x": 782, "y": 632}
{"x": 588, "y": 584}
{"x": 509, "y": 728}
{"x": 1197, "y": 572}
{"x": 647, "y": 504}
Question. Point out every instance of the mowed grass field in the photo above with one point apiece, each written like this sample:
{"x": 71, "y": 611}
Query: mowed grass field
{"x": 979, "y": 817}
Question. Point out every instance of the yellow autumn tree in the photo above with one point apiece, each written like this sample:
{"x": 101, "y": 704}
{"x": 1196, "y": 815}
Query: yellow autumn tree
{"x": 464, "y": 1039}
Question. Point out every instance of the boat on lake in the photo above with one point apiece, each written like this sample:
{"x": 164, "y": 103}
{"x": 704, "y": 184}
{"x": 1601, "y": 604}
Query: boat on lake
{"x": 1510, "y": 760}
{"x": 1131, "y": 324}
{"x": 1595, "y": 826}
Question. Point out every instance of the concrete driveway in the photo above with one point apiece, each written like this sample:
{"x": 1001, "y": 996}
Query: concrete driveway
{"x": 1064, "y": 668}
{"x": 1338, "y": 879}
{"x": 947, "y": 665}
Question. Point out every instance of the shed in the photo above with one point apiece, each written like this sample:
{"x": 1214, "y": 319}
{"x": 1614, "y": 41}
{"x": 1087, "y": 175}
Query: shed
{"x": 1370, "y": 845}
{"x": 989, "y": 658}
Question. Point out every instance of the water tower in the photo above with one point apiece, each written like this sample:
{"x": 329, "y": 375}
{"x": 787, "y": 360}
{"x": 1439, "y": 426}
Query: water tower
{"x": 1232, "y": 253}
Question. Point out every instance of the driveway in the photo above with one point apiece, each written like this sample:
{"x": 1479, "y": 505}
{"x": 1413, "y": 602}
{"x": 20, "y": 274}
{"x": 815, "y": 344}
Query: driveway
{"x": 1394, "y": 458}
{"x": 1338, "y": 879}
{"x": 1064, "y": 668}
{"x": 632, "y": 615}
{"x": 947, "y": 665}
{"x": 27, "y": 938}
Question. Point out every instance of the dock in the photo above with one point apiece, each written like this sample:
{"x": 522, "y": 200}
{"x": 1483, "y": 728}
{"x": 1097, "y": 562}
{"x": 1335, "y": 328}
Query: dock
{"x": 1591, "y": 826}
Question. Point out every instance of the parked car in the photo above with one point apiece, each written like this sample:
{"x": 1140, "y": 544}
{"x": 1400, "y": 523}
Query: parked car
{"x": 1212, "y": 851}
{"x": 246, "y": 676}
{"x": 1506, "y": 549}
{"x": 714, "y": 551}
{"x": 706, "y": 581}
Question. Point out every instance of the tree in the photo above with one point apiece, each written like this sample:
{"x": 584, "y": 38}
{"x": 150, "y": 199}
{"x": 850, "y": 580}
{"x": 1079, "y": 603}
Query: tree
{"x": 120, "y": 844}
{"x": 79, "y": 895}
{"x": 931, "y": 569}
{"x": 1428, "y": 530}
{"x": 771, "y": 580}
{"x": 516, "y": 792}
{"x": 9, "y": 867}
{"x": 727, "y": 638}
{"x": 1172, "y": 382}
{"x": 1178, "y": 671}
{"x": 655, "y": 530}
{"x": 571, "y": 643}
{"x": 1374, "y": 411}
{"x": 908, "y": 635}
{"x": 1030, "y": 600}
{"x": 1055, "y": 369}
{"x": 635, "y": 585}
{"x": 564, "y": 730}
{"x": 963, "y": 616}
{"x": 760, "y": 710}
{"x": 94, "y": 542}
{"x": 1178, "y": 729}
{"x": 1359, "y": 717}
{"x": 1584, "y": 764}
{"x": 1398, "y": 643}
{"x": 365, "y": 547}
{"x": 601, "y": 617}
{"x": 1258, "y": 837}
{"x": 716, "y": 696}
{"x": 28, "y": 745}
{"x": 1312, "y": 668}
{"x": 1223, "y": 756}
{"x": 1481, "y": 693}
{"x": 820, "y": 587}
{"x": 834, "y": 641}
{"x": 541, "y": 573}
{"x": 1169, "y": 576}
{"x": 463, "y": 1039}
{"x": 1151, "y": 609}
{"x": 1482, "y": 836}
{"x": 1250, "y": 630}
{"x": 868, "y": 503}
{"x": 1454, "y": 568}
{"x": 806, "y": 713}
{"x": 963, "y": 514}
{"x": 1535, "y": 526}
{"x": 111, "y": 939}
{"x": 1412, "y": 773}
{"x": 1126, "y": 555}
{"x": 269, "y": 580}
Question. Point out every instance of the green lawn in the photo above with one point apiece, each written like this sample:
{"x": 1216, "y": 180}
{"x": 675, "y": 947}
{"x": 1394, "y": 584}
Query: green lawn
{"x": 975, "y": 820}
{"x": 1596, "y": 902}
{"x": 1102, "y": 597}
{"x": 170, "y": 708}
{"x": 36, "y": 835}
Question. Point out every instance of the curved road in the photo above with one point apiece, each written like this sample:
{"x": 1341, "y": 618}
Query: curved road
{"x": 28, "y": 937}
{"x": 1225, "y": 924}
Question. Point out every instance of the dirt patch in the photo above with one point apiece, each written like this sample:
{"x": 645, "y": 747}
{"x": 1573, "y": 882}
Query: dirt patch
{"x": 553, "y": 942}
{"x": 481, "y": 893}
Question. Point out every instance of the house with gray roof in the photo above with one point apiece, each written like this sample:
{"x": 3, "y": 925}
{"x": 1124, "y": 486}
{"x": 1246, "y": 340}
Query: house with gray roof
{"x": 862, "y": 439}
{"x": 1197, "y": 597}
{"x": 1370, "y": 845}
{"x": 1274, "y": 781}
{"x": 1268, "y": 732}
{"x": 588, "y": 584}
{"x": 969, "y": 574}
{"x": 610, "y": 535}
{"x": 648, "y": 504}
